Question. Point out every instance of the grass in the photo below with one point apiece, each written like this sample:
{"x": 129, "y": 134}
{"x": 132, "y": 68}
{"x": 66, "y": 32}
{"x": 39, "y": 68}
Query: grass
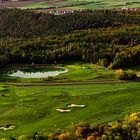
{"x": 73, "y": 4}
{"x": 36, "y": 5}
{"x": 2, "y": 89}
{"x": 84, "y": 71}
{"x": 33, "y": 109}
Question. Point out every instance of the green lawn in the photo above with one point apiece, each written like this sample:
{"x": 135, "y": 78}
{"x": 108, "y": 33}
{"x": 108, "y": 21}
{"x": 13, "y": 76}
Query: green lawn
{"x": 82, "y": 71}
{"x": 34, "y": 5}
{"x": 32, "y": 109}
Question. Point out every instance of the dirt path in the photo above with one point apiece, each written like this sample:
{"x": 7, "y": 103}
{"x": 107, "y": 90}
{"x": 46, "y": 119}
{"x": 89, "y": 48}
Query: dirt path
{"x": 64, "y": 83}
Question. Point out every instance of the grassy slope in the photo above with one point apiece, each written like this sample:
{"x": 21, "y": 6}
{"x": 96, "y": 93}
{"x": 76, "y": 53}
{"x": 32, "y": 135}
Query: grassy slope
{"x": 36, "y": 5}
{"x": 33, "y": 109}
{"x": 82, "y": 71}
{"x": 110, "y": 4}
{"x": 99, "y": 4}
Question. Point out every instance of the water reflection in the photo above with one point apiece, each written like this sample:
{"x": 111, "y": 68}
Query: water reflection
{"x": 37, "y": 73}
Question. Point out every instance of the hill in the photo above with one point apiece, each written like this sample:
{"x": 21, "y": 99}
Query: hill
{"x": 109, "y": 38}
{"x": 62, "y": 5}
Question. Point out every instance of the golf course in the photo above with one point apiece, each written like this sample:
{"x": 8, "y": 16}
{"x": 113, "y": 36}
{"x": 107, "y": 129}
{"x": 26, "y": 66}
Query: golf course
{"x": 70, "y": 76}
{"x": 28, "y": 108}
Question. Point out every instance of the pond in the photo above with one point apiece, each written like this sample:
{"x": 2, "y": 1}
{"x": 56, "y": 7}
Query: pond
{"x": 36, "y": 72}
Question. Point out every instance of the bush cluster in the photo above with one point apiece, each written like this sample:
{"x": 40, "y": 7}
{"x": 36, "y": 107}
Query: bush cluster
{"x": 125, "y": 75}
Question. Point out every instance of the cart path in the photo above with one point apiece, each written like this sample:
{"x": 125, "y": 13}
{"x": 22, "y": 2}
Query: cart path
{"x": 71, "y": 83}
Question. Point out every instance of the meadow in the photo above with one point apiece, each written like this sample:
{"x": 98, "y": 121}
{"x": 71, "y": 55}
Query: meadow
{"x": 82, "y": 4}
{"x": 34, "y": 108}
{"x": 73, "y": 4}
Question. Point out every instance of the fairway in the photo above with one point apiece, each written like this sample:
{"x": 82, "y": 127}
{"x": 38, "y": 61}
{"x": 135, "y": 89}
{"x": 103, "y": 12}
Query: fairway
{"x": 31, "y": 109}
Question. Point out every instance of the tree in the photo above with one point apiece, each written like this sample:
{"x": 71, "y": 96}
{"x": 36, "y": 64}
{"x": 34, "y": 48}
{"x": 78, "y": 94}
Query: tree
{"x": 125, "y": 75}
{"x": 120, "y": 74}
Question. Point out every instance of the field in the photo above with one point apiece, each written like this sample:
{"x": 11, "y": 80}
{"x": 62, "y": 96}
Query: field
{"x": 73, "y": 4}
{"x": 33, "y": 108}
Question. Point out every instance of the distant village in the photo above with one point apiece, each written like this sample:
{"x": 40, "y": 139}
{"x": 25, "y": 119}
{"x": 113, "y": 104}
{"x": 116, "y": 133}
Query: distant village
{"x": 55, "y": 12}
{"x": 127, "y": 9}
{"x": 62, "y": 12}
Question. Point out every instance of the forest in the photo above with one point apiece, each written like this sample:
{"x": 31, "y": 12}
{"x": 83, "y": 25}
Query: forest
{"x": 106, "y": 37}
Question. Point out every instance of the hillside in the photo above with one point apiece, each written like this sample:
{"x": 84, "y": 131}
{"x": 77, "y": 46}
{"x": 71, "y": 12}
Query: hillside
{"x": 108, "y": 38}
{"x": 62, "y": 5}
{"x": 59, "y": 70}
{"x": 23, "y": 23}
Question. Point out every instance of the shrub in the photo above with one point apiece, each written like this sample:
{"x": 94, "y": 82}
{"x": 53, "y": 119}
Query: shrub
{"x": 125, "y": 75}
{"x": 120, "y": 74}
{"x": 25, "y": 137}
{"x": 103, "y": 62}
{"x": 91, "y": 138}
{"x": 104, "y": 137}
{"x": 81, "y": 129}
{"x": 65, "y": 136}
{"x": 41, "y": 136}
{"x": 131, "y": 75}
{"x": 7, "y": 139}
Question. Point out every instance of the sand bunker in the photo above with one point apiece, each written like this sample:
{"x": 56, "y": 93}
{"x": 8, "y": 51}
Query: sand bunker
{"x": 9, "y": 127}
{"x": 75, "y": 105}
{"x": 69, "y": 106}
{"x": 63, "y": 110}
